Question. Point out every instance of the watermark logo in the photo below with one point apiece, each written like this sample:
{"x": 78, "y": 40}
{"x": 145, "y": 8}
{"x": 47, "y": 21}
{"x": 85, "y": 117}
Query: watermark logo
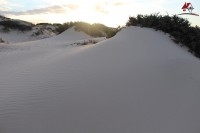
{"x": 188, "y": 7}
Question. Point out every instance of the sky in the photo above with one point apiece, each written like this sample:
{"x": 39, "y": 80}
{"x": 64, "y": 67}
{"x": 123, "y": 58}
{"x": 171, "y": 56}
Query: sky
{"x": 112, "y": 13}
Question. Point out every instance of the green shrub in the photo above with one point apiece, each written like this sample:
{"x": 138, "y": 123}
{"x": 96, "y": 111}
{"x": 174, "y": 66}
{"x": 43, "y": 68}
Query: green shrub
{"x": 15, "y": 25}
{"x": 95, "y": 30}
{"x": 179, "y": 28}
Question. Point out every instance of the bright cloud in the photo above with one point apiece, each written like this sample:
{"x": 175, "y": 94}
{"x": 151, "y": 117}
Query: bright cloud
{"x": 7, "y": 5}
{"x": 48, "y": 10}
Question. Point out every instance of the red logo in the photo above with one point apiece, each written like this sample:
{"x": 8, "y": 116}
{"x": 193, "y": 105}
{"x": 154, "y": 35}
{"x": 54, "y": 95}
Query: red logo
{"x": 190, "y": 8}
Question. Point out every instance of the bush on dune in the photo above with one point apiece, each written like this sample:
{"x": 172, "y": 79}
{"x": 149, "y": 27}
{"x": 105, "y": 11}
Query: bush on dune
{"x": 15, "y": 25}
{"x": 95, "y": 30}
{"x": 178, "y": 28}
{"x": 9, "y": 23}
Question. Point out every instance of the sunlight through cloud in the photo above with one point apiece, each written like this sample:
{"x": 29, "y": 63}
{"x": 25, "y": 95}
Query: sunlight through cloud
{"x": 111, "y": 13}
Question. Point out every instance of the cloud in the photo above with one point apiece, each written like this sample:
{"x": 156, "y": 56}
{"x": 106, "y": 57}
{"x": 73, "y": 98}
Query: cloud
{"x": 118, "y": 3}
{"x": 3, "y": 4}
{"x": 72, "y": 6}
{"x": 100, "y": 9}
{"x": 106, "y": 6}
{"x": 7, "y": 5}
{"x": 48, "y": 10}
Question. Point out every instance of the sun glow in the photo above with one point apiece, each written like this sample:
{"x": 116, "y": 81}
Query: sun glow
{"x": 111, "y": 13}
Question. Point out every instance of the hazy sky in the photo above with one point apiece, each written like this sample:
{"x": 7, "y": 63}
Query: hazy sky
{"x": 109, "y": 12}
